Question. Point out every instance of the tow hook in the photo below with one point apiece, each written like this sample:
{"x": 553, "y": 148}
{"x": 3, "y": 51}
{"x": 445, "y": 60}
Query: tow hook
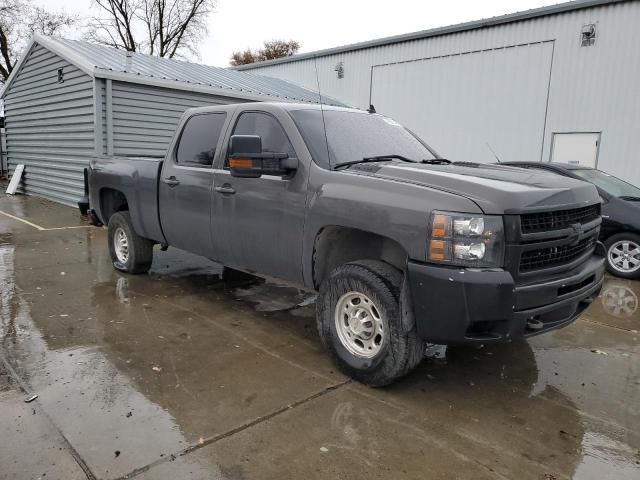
{"x": 534, "y": 324}
{"x": 588, "y": 300}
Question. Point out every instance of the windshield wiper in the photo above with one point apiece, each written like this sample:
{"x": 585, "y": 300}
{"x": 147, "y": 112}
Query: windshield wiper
{"x": 377, "y": 158}
{"x": 630, "y": 198}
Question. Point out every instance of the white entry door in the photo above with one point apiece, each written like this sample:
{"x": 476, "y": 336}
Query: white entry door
{"x": 576, "y": 148}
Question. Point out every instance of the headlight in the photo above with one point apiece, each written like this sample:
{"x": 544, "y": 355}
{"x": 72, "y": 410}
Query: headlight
{"x": 466, "y": 240}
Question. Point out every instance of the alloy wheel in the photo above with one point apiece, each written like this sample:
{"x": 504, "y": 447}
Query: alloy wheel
{"x": 624, "y": 256}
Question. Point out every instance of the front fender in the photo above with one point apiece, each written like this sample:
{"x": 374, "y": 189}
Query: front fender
{"x": 393, "y": 209}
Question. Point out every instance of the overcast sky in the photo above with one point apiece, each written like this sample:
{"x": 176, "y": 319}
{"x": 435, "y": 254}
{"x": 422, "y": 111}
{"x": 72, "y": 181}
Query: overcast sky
{"x": 238, "y": 24}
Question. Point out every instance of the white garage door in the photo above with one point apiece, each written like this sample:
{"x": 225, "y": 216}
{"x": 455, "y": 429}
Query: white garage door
{"x": 470, "y": 105}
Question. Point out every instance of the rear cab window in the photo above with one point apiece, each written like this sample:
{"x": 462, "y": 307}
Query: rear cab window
{"x": 199, "y": 140}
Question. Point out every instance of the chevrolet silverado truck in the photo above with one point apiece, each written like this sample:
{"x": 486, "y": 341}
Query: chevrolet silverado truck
{"x": 402, "y": 246}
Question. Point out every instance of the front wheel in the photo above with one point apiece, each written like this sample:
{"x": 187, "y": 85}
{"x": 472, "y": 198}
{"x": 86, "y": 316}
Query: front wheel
{"x": 360, "y": 323}
{"x": 129, "y": 251}
{"x": 623, "y": 255}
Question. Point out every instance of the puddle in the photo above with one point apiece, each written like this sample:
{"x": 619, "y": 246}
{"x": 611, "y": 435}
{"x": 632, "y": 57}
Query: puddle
{"x": 148, "y": 365}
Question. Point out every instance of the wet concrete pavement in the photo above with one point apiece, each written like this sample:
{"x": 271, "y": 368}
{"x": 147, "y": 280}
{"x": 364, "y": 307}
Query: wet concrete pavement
{"x": 180, "y": 374}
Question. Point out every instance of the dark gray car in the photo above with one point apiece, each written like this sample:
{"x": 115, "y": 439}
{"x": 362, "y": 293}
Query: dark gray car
{"x": 620, "y": 229}
{"x": 402, "y": 246}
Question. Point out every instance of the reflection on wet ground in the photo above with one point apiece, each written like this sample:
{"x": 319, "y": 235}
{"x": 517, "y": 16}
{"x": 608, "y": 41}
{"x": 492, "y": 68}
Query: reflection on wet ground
{"x": 185, "y": 374}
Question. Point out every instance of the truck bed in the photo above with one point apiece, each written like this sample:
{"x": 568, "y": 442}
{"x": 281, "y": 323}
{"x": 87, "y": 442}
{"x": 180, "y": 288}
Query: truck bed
{"x": 137, "y": 178}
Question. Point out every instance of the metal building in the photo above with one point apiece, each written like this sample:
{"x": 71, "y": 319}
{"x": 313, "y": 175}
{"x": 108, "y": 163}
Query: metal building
{"x": 555, "y": 83}
{"x": 68, "y": 100}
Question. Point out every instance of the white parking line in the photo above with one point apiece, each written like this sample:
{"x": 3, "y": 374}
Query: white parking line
{"x": 38, "y": 227}
{"x": 67, "y": 228}
{"x": 22, "y": 220}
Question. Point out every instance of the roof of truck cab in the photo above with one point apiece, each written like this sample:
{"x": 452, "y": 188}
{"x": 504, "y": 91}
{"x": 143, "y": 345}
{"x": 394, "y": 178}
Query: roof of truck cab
{"x": 100, "y": 61}
{"x": 570, "y": 166}
{"x": 311, "y": 106}
{"x": 289, "y": 106}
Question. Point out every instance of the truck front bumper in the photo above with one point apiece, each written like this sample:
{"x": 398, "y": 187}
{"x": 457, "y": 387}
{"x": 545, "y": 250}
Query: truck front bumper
{"x": 457, "y": 305}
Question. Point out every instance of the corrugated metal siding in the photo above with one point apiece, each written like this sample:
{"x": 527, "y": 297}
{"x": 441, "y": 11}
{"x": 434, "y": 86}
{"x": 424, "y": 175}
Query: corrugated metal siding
{"x": 50, "y": 126}
{"x": 228, "y": 82}
{"x": 596, "y": 88}
{"x": 3, "y": 152}
{"x": 101, "y": 86}
{"x": 592, "y": 88}
{"x": 508, "y": 93}
{"x": 145, "y": 118}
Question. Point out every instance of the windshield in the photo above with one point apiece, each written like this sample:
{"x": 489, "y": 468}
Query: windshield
{"x": 353, "y": 135}
{"x": 610, "y": 184}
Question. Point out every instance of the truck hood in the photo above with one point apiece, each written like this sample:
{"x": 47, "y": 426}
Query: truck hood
{"x": 495, "y": 189}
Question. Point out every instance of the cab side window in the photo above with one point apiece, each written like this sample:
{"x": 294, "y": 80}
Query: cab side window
{"x": 274, "y": 139}
{"x": 199, "y": 139}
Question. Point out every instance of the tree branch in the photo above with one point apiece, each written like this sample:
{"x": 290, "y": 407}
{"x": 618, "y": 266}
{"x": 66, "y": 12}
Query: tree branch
{"x": 158, "y": 27}
{"x": 19, "y": 20}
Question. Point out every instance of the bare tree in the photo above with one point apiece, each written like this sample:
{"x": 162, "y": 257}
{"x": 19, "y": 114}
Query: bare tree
{"x": 19, "y": 20}
{"x": 272, "y": 49}
{"x": 166, "y": 28}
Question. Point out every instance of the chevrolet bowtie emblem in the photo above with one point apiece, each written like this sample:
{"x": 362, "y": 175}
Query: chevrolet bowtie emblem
{"x": 574, "y": 236}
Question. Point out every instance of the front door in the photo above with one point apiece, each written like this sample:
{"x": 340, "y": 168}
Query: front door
{"x": 263, "y": 218}
{"x": 186, "y": 182}
{"x": 575, "y": 148}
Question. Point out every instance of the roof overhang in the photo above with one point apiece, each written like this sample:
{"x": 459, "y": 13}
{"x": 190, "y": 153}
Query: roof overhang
{"x": 93, "y": 71}
{"x": 186, "y": 86}
{"x": 437, "y": 32}
{"x": 60, "y": 50}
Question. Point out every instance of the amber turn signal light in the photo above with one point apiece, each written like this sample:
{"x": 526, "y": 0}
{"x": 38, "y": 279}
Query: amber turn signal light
{"x": 439, "y": 227}
{"x": 240, "y": 163}
{"x": 437, "y": 250}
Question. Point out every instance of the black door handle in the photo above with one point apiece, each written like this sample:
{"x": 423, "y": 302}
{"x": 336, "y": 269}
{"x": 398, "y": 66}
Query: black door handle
{"x": 226, "y": 188}
{"x": 171, "y": 181}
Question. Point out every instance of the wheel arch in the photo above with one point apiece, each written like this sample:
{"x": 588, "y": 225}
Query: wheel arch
{"x": 335, "y": 245}
{"x": 621, "y": 228}
{"x": 111, "y": 201}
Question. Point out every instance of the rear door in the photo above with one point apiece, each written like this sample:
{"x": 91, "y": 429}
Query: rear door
{"x": 263, "y": 218}
{"x": 186, "y": 183}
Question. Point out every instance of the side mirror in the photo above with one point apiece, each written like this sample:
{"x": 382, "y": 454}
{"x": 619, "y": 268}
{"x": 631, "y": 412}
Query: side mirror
{"x": 247, "y": 160}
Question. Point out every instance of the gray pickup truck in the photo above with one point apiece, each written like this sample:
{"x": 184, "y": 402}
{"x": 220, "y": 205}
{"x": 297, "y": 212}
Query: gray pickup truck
{"x": 403, "y": 246}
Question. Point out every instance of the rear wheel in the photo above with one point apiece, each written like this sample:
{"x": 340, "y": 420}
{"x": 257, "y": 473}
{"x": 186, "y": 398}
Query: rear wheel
{"x": 129, "y": 251}
{"x": 623, "y": 255}
{"x": 360, "y": 323}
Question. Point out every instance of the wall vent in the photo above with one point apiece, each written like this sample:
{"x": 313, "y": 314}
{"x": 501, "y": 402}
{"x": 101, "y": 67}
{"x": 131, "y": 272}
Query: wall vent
{"x": 588, "y": 35}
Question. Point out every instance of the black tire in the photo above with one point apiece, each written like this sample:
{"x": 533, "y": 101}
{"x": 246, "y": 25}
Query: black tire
{"x": 610, "y": 243}
{"x": 401, "y": 349}
{"x": 140, "y": 250}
